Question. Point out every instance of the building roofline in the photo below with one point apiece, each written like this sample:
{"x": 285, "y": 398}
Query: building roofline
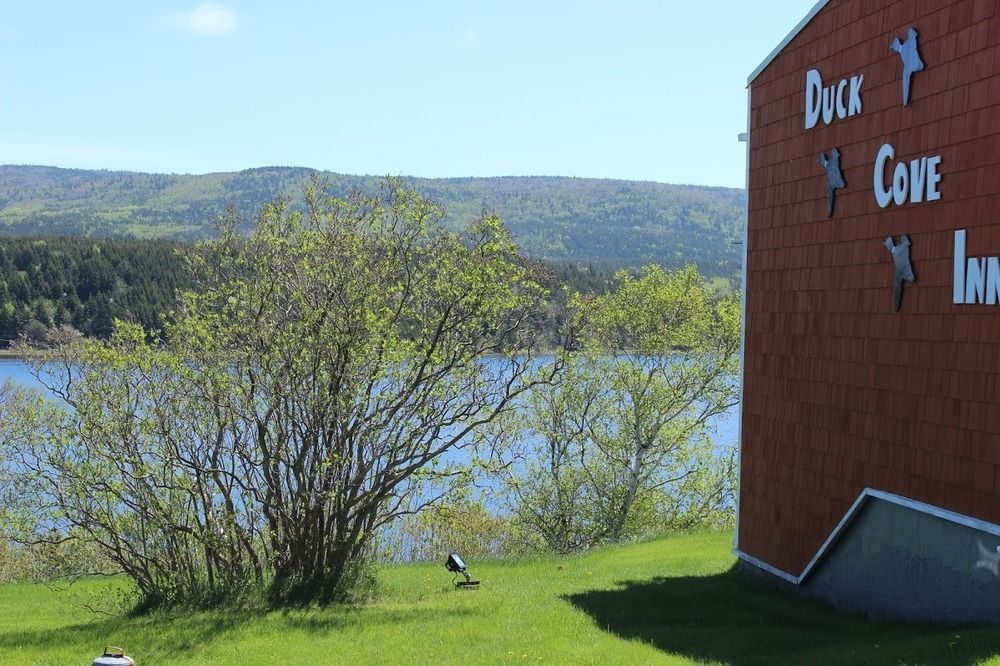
{"x": 795, "y": 31}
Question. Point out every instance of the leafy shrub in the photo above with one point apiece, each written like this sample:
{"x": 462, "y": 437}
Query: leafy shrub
{"x": 465, "y": 526}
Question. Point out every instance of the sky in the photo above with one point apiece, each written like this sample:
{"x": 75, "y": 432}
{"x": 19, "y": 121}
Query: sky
{"x": 652, "y": 90}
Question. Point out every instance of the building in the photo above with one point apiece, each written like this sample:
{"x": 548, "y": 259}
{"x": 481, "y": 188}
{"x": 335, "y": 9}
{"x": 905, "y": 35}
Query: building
{"x": 870, "y": 429}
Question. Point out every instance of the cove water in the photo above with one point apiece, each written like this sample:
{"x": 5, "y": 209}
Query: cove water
{"x": 726, "y": 425}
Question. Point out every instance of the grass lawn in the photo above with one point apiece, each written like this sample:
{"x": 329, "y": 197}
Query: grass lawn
{"x": 669, "y": 601}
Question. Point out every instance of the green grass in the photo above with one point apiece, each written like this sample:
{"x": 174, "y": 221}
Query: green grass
{"x": 673, "y": 600}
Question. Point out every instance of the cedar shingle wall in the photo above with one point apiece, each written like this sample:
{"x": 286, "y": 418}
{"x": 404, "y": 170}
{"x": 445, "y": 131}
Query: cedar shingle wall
{"x": 841, "y": 392}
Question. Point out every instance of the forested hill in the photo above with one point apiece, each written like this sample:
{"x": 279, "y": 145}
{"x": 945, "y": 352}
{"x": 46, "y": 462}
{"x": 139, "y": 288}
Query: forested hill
{"x": 608, "y": 223}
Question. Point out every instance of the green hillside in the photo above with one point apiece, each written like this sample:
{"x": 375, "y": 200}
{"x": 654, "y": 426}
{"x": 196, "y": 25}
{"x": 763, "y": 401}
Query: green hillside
{"x": 670, "y": 601}
{"x": 608, "y": 223}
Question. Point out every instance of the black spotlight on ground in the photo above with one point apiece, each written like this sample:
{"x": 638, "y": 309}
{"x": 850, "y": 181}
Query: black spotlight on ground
{"x": 114, "y": 656}
{"x": 457, "y": 565}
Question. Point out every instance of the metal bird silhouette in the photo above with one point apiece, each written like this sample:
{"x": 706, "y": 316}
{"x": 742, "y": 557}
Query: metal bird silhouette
{"x": 909, "y": 52}
{"x": 834, "y": 179}
{"x": 904, "y": 272}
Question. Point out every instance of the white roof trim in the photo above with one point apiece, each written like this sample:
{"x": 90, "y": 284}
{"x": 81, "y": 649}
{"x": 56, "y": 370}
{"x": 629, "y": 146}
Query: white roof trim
{"x": 795, "y": 31}
{"x": 930, "y": 509}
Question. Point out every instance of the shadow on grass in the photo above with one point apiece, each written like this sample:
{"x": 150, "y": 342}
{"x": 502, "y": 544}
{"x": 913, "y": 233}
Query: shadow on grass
{"x": 160, "y": 635}
{"x": 728, "y": 618}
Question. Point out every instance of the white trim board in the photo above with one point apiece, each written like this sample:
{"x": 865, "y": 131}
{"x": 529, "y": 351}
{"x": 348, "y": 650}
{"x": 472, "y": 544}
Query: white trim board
{"x": 788, "y": 38}
{"x": 743, "y": 331}
{"x": 838, "y": 531}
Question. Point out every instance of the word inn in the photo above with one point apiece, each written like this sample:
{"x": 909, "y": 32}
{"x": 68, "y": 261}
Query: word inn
{"x": 977, "y": 279}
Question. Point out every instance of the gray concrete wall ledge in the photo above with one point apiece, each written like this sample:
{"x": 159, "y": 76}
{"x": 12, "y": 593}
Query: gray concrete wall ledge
{"x": 894, "y": 557}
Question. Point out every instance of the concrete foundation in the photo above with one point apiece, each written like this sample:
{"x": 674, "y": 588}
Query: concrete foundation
{"x": 892, "y": 560}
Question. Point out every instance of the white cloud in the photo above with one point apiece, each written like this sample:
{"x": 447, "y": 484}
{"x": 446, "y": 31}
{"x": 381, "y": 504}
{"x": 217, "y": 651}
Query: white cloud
{"x": 208, "y": 19}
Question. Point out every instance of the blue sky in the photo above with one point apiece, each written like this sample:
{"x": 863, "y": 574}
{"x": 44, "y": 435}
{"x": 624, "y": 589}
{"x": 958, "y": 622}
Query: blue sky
{"x": 636, "y": 90}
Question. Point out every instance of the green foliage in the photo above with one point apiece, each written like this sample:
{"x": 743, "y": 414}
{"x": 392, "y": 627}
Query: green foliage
{"x": 608, "y": 223}
{"x": 85, "y": 283}
{"x": 66, "y": 559}
{"x": 14, "y": 566}
{"x": 621, "y": 445}
{"x": 46, "y": 283}
{"x": 457, "y": 524}
{"x": 305, "y": 395}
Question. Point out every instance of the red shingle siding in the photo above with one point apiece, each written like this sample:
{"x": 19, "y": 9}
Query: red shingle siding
{"x": 840, "y": 391}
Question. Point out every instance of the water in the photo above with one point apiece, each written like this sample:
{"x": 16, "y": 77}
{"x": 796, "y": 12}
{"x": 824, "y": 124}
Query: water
{"x": 17, "y": 370}
{"x": 726, "y": 425}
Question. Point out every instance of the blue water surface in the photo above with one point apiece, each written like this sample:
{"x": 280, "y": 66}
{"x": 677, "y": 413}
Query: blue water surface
{"x": 726, "y": 425}
{"x": 17, "y": 370}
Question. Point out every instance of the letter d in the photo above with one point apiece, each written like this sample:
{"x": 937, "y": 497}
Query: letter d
{"x": 814, "y": 96}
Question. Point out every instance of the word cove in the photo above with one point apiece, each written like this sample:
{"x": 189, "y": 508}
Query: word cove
{"x": 917, "y": 181}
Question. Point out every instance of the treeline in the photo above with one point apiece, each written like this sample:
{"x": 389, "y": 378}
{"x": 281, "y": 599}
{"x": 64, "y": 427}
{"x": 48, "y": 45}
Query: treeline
{"x": 87, "y": 283}
{"x": 608, "y": 223}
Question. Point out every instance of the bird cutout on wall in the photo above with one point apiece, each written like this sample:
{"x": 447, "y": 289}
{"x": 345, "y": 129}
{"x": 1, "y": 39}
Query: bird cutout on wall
{"x": 908, "y": 51}
{"x": 904, "y": 272}
{"x": 834, "y": 179}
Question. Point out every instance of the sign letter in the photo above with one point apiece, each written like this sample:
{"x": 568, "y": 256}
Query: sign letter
{"x": 933, "y": 178}
{"x": 975, "y": 280}
{"x": 900, "y": 184}
{"x": 958, "y": 286}
{"x": 883, "y": 195}
{"x": 992, "y": 279}
{"x": 841, "y": 109}
{"x": 814, "y": 94}
{"x": 918, "y": 179}
{"x": 854, "y": 103}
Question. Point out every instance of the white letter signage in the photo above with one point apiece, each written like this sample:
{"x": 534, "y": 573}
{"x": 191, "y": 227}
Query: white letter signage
{"x": 839, "y": 100}
{"x": 976, "y": 279}
{"x": 916, "y": 181}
